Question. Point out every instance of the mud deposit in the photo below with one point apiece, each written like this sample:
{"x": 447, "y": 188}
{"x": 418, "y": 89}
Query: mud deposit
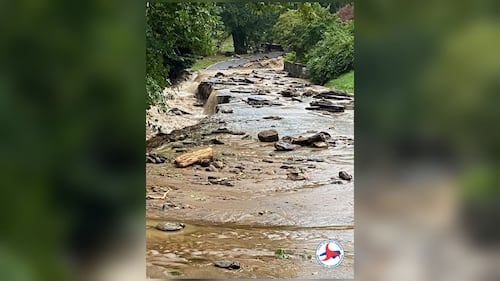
{"x": 244, "y": 205}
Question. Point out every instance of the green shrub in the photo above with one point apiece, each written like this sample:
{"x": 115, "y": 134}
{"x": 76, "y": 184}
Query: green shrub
{"x": 300, "y": 30}
{"x": 334, "y": 54}
{"x": 290, "y": 57}
{"x": 153, "y": 91}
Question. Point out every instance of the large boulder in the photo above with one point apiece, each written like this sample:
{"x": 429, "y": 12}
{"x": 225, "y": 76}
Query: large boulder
{"x": 268, "y": 136}
{"x": 284, "y": 146}
{"x": 204, "y": 90}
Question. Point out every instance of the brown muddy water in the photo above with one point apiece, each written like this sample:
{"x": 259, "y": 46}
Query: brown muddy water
{"x": 262, "y": 210}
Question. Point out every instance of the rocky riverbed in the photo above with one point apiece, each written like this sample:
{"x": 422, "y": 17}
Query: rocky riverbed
{"x": 288, "y": 190}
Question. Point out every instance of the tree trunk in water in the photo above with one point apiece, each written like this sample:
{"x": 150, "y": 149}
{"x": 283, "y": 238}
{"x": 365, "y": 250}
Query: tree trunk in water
{"x": 239, "y": 42}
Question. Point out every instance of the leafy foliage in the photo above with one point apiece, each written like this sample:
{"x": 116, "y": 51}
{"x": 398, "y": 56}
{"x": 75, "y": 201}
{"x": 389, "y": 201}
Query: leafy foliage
{"x": 301, "y": 29}
{"x": 250, "y": 23}
{"x": 153, "y": 91}
{"x": 280, "y": 253}
{"x": 334, "y": 54}
{"x": 176, "y": 33}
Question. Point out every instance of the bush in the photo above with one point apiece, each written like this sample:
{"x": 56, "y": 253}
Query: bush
{"x": 290, "y": 57}
{"x": 334, "y": 54}
{"x": 300, "y": 30}
{"x": 153, "y": 91}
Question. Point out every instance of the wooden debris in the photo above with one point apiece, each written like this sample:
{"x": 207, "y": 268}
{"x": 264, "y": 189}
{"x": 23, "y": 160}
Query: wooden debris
{"x": 190, "y": 158}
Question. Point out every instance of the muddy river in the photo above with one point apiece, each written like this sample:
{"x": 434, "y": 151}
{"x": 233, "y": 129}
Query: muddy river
{"x": 259, "y": 209}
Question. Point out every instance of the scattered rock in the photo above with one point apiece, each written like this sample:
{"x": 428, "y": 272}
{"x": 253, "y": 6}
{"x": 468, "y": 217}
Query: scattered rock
{"x": 309, "y": 93}
{"x": 268, "y": 136}
{"x": 295, "y": 176}
{"x": 310, "y": 140}
{"x": 227, "y": 111}
{"x": 245, "y": 137}
{"x": 315, "y": 160}
{"x": 211, "y": 168}
{"x": 216, "y": 141}
{"x": 252, "y": 80}
{"x": 288, "y": 93}
{"x": 155, "y": 158}
{"x": 325, "y": 105}
{"x": 177, "y": 145}
{"x": 284, "y": 146}
{"x": 319, "y": 144}
{"x": 273, "y": 117}
{"x": 345, "y": 176}
{"x": 225, "y": 131}
{"x": 258, "y": 100}
{"x": 178, "y": 111}
{"x": 218, "y": 164}
{"x": 204, "y": 162}
{"x": 170, "y": 226}
{"x": 270, "y": 172}
{"x": 220, "y": 181}
{"x": 334, "y": 94}
{"x": 228, "y": 264}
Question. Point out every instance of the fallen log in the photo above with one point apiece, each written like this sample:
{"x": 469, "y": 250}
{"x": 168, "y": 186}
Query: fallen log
{"x": 190, "y": 158}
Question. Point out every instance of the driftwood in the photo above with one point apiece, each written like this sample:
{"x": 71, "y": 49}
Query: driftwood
{"x": 190, "y": 158}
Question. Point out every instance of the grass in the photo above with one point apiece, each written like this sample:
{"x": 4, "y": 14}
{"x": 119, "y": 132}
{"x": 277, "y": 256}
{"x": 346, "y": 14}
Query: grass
{"x": 280, "y": 253}
{"x": 208, "y": 61}
{"x": 226, "y": 46}
{"x": 344, "y": 82}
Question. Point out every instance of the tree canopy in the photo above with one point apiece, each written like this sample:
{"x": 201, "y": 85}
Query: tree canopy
{"x": 176, "y": 33}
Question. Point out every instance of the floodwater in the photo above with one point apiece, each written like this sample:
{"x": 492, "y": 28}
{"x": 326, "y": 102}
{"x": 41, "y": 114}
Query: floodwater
{"x": 262, "y": 210}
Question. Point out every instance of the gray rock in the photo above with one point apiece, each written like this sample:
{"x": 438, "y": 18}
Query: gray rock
{"x": 296, "y": 176}
{"x": 228, "y": 264}
{"x": 268, "y": 136}
{"x": 218, "y": 164}
{"x": 170, "y": 226}
{"x": 216, "y": 141}
{"x": 319, "y": 144}
{"x": 211, "y": 168}
{"x": 284, "y": 146}
{"x": 273, "y": 117}
{"x": 309, "y": 141}
{"x": 345, "y": 176}
{"x": 204, "y": 162}
{"x": 227, "y": 111}
{"x": 288, "y": 93}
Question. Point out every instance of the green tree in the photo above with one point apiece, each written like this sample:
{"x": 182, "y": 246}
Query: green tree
{"x": 300, "y": 29}
{"x": 250, "y": 23}
{"x": 334, "y": 54}
{"x": 176, "y": 33}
